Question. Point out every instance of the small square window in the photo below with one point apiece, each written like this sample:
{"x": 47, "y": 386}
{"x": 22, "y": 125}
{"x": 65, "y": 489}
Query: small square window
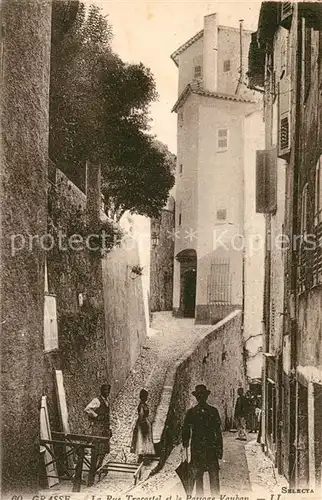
{"x": 222, "y": 214}
{"x": 198, "y": 71}
{"x": 180, "y": 118}
{"x": 226, "y": 65}
{"x": 222, "y": 139}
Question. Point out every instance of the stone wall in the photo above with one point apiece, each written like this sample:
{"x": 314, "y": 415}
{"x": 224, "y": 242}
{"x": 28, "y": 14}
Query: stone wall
{"x": 82, "y": 345}
{"x": 25, "y": 50}
{"x": 161, "y": 273}
{"x": 218, "y": 362}
{"x": 125, "y": 322}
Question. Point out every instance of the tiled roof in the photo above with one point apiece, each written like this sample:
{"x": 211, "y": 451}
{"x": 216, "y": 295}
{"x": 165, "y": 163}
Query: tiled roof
{"x": 196, "y": 37}
{"x": 197, "y": 88}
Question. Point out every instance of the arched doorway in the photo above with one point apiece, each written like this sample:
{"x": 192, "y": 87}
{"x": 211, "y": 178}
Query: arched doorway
{"x": 189, "y": 293}
{"x": 188, "y": 280}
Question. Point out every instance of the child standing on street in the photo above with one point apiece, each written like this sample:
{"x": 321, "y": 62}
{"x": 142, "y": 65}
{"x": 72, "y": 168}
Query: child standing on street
{"x": 142, "y": 441}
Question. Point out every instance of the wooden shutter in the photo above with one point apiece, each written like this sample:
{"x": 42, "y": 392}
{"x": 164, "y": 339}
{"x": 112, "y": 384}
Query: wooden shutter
{"x": 266, "y": 181}
{"x": 286, "y": 14}
{"x": 260, "y": 182}
{"x": 284, "y": 118}
{"x": 271, "y": 164}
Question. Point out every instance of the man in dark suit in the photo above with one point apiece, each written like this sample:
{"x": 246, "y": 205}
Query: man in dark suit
{"x": 202, "y": 424}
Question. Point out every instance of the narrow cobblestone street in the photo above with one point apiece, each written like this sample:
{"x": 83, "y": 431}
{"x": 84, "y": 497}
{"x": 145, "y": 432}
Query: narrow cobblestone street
{"x": 170, "y": 339}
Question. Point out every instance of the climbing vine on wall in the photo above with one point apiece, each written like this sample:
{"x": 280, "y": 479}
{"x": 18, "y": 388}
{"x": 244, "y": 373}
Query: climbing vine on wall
{"x": 71, "y": 231}
{"x": 77, "y": 328}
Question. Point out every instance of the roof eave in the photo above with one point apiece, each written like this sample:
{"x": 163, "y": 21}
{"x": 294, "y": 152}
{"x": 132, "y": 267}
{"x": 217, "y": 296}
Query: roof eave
{"x": 173, "y": 57}
{"x": 186, "y": 45}
{"x": 182, "y": 97}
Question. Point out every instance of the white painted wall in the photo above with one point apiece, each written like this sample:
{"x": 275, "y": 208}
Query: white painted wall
{"x": 187, "y": 62}
{"x": 210, "y": 52}
{"x": 254, "y": 232}
{"x": 139, "y": 229}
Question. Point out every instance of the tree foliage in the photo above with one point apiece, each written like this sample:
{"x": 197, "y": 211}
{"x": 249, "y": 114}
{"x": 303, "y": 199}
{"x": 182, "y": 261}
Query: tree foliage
{"x": 99, "y": 111}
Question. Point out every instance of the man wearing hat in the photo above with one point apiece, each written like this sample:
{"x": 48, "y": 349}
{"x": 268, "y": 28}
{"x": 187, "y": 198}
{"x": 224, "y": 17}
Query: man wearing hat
{"x": 203, "y": 426}
{"x": 98, "y": 412}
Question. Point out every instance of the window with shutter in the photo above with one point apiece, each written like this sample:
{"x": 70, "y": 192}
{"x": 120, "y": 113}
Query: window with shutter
{"x": 180, "y": 118}
{"x": 227, "y": 66}
{"x": 222, "y": 214}
{"x": 284, "y": 132}
{"x": 284, "y": 107}
{"x": 222, "y": 139}
{"x": 286, "y": 14}
{"x": 266, "y": 181}
{"x": 198, "y": 72}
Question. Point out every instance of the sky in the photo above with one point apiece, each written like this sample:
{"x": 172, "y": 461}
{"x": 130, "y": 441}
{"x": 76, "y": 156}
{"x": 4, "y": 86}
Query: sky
{"x": 150, "y": 31}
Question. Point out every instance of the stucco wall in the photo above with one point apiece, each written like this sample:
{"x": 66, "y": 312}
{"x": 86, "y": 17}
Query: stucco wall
{"x": 186, "y": 63}
{"x": 187, "y": 181}
{"x": 26, "y": 44}
{"x": 254, "y": 231}
{"x": 277, "y": 253}
{"x": 310, "y": 311}
{"x": 216, "y": 361}
{"x": 229, "y": 49}
{"x": 220, "y": 186}
{"x": 124, "y": 312}
{"x": 220, "y": 174}
{"x": 186, "y": 187}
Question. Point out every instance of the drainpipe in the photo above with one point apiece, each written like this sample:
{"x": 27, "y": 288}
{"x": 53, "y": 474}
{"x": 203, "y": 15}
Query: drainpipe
{"x": 241, "y": 64}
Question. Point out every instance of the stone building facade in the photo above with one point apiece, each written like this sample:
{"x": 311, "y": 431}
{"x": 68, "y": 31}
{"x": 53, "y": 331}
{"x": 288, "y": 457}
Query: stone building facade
{"x": 161, "y": 259}
{"x": 25, "y": 43}
{"x": 216, "y": 225}
{"x": 286, "y": 63}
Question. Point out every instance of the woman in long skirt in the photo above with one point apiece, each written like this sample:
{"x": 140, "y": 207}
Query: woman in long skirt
{"x": 142, "y": 441}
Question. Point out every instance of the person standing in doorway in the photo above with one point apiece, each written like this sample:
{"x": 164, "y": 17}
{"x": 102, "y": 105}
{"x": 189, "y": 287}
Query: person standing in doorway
{"x": 241, "y": 413}
{"x": 202, "y": 426}
{"x": 98, "y": 412}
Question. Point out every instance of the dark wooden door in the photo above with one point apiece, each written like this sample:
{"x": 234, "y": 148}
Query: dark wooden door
{"x": 189, "y": 293}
